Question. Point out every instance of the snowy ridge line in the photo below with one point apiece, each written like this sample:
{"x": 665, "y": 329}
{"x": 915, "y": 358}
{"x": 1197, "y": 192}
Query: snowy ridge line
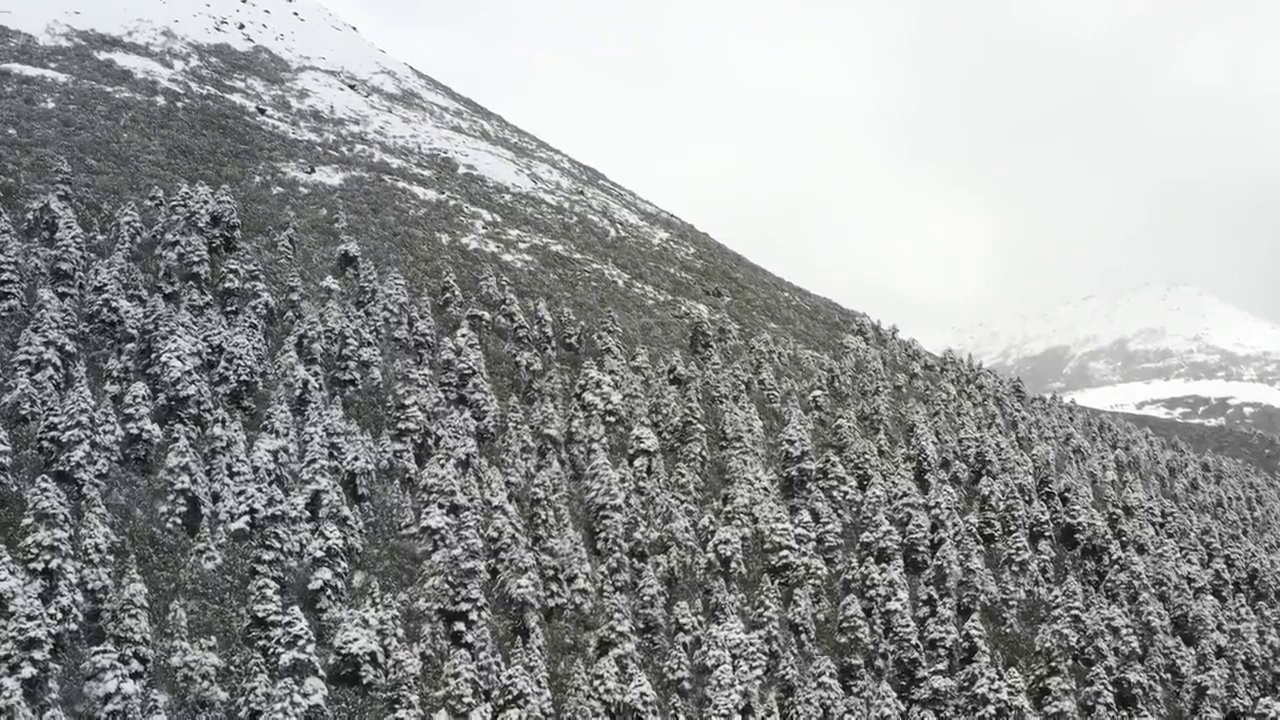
{"x": 1180, "y": 318}
{"x": 384, "y": 107}
{"x": 32, "y": 71}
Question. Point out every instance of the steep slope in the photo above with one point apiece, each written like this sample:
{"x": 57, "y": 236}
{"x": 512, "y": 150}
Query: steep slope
{"x": 286, "y": 100}
{"x": 260, "y": 457}
{"x": 1173, "y": 352}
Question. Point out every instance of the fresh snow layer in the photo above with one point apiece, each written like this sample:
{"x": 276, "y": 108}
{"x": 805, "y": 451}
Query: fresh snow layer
{"x": 293, "y": 29}
{"x": 1179, "y": 318}
{"x": 1131, "y": 397}
{"x": 20, "y": 69}
{"x": 386, "y": 109}
{"x": 143, "y": 67}
{"x": 320, "y": 174}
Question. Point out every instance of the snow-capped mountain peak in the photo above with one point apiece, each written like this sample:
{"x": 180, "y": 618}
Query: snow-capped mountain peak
{"x": 1179, "y": 319}
{"x": 1171, "y": 351}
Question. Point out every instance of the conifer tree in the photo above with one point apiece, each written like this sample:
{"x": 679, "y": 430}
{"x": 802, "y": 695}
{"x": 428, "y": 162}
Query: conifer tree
{"x": 28, "y": 669}
{"x": 179, "y": 369}
{"x": 511, "y": 556}
{"x": 300, "y": 687}
{"x": 1053, "y": 686}
{"x": 7, "y": 481}
{"x": 327, "y": 587}
{"x": 119, "y": 670}
{"x": 109, "y": 312}
{"x": 195, "y": 668}
{"x": 13, "y": 291}
{"x": 67, "y": 258}
{"x": 364, "y": 642}
{"x": 884, "y": 703}
{"x": 186, "y": 485}
{"x": 47, "y": 551}
{"x": 107, "y": 685}
{"x": 183, "y": 253}
{"x": 555, "y": 545}
{"x": 470, "y": 383}
{"x": 97, "y": 541}
{"x": 39, "y": 364}
{"x": 449, "y": 297}
{"x": 935, "y": 614}
{"x": 255, "y": 695}
{"x": 237, "y": 376}
{"x": 265, "y": 612}
{"x": 981, "y": 693}
{"x": 414, "y": 405}
{"x": 544, "y": 331}
{"x": 403, "y": 700}
{"x": 571, "y": 330}
{"x": 141, "y": 435}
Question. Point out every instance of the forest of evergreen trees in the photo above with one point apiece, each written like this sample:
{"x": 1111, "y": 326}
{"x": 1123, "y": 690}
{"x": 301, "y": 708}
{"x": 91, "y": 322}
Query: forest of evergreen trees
{"x": 238, "y": 479}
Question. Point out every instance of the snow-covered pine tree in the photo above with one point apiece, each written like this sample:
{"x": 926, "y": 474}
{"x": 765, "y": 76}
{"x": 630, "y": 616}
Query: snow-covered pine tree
{"x": 7, "y": 480}
{"x": 120, "y": 679}
{"x": 403, "y": 699}
{"x": 13, "y": 285}
{"x": 237, "y": 377}
{"x": 28, "y": 669}
{"x": 178, "y": 369}
{"x": 67, "y": 256}
{"x": 186, "y": 486}
{"x": 141, "y": 435}
{"x": 300, "y": 690}
{"x": 97, "y": 548}
{"x": 195, "y": 668}
{"x": 110, "y": 315}
{"x": 69, "y": 438}
{"x": 41, "y": 361}
{"x": 47, "y": 550}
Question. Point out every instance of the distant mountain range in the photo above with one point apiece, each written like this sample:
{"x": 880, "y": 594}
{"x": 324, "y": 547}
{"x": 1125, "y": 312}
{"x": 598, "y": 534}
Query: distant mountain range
{"x": 1167, "y": 351}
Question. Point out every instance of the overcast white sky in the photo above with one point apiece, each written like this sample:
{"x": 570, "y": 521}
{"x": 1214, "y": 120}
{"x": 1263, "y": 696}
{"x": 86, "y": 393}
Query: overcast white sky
{"x": 932, "y": 163}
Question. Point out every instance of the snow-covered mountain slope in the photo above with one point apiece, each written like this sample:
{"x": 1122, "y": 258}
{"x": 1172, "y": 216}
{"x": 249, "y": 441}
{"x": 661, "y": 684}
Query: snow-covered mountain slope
{"x": 280, "y": 98}
{"x": 390, "y": 110}
{"x": 1167, "y": 351}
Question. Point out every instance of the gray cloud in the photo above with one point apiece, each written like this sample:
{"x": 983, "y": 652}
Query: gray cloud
{"x": 929, "y": 162}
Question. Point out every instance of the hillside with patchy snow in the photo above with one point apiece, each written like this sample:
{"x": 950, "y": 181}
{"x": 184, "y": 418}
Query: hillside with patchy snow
{"x": 287, "y": 105}
{"x": 1173, "y": 352}
{"x": 386, "y": 109}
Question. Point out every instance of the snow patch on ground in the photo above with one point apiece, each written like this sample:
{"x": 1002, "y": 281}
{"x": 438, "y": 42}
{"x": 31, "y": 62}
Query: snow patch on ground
{"x": 144, "y": 68}
{"x": 30, "y": 71}
{"x": 1135, "y": 397}
{"x": 421, "y": 192}
{"x": 322, "y": 174}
